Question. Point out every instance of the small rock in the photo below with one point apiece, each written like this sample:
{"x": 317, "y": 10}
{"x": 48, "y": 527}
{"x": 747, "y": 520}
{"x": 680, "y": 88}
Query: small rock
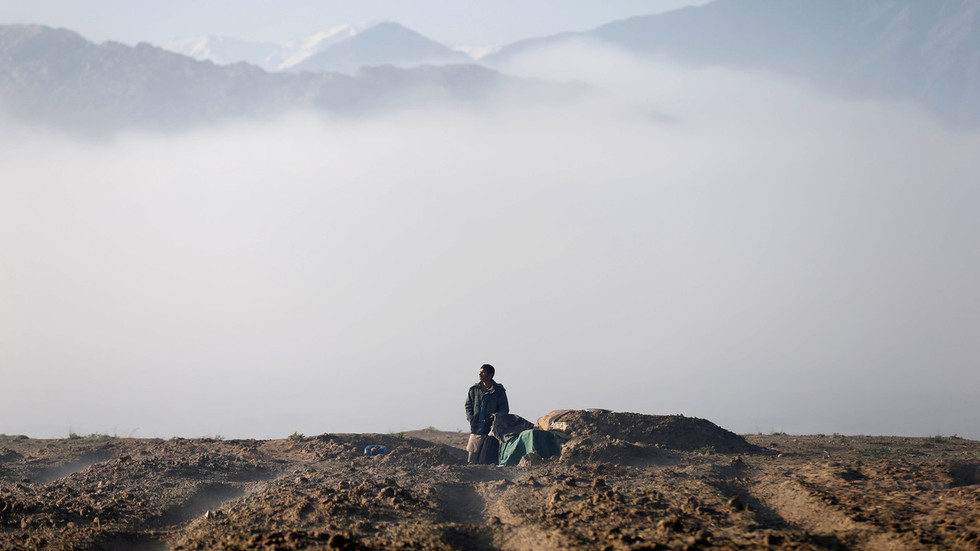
{"x": 668, "y": 524}
{"x": 531, "y": 459}
{"x": 530, "y": 481}
{"x": 771, "y": 539}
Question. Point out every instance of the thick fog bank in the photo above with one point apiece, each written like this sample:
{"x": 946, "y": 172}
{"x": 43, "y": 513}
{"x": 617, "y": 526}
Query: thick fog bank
{"x": 767, "y": 258}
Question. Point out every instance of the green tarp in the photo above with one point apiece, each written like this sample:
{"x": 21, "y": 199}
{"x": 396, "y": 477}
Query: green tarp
{"x": 532, "y": 440}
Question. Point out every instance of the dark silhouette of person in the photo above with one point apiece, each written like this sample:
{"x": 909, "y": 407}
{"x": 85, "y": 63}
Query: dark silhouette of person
{"x": 483, "y": 400}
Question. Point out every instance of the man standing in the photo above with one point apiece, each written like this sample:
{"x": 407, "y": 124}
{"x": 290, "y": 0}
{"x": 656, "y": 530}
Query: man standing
{"x": 483, "y": 400}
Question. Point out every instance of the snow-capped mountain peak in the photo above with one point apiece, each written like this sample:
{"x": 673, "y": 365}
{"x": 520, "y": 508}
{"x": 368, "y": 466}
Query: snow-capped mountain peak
{"x": 476, "y": 52}
{"x": 296, "y": 51}
{"x": 197, "y": 47}
{"x": 271, "y": 57}
{"x": 385, "y": 43}
{"x": 223, "y": 50}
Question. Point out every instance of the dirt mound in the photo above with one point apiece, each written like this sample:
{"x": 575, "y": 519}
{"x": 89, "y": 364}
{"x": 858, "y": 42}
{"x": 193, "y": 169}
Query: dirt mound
{"x": 669, "y": 431}
{"x": 611, "y": 451}
{"x": 428, "y": 456}
{"x": 400, "y": 450}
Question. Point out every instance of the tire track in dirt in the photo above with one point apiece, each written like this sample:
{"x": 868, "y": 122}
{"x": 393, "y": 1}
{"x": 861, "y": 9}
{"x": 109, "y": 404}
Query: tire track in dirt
{"x": 209, "y": 501}
{"x": 816, "y": 511}
{"x": 506, "y": 515}
{"x": 174, "y": 491}
{"x": 461, "y": 503}
{"x": 45, "y": 470}
{"x": 492, "y": 515}
{"x": 462, "y": 507}
{"x": 202, "y": 500}
{"x": 795, "y": 505}
{"x": 46, "y": 475}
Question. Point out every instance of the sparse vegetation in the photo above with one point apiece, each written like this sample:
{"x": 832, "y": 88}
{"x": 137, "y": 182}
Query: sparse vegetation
{"x": 705, "y": 450}
{"x": 876, "y": 452}
{"x": 297, "y": 436}
{"x": 94, "y": 437}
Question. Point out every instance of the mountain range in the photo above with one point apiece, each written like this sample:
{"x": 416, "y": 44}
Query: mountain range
{"x": 925, "y": 53}
{"x": 922, "y": 51}
{"x": 57, "y": 77}
{"x": 343, "y": 49}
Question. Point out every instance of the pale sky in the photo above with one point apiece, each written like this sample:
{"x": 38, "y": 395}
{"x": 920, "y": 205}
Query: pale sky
{"x": 452, "y": 22}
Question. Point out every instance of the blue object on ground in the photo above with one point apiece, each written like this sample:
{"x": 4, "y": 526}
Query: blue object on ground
{"x": 375, "y": 449}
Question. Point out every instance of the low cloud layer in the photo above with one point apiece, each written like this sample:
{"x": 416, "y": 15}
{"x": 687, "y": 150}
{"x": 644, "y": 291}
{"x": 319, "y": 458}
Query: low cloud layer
{"x": 716, "y": 244}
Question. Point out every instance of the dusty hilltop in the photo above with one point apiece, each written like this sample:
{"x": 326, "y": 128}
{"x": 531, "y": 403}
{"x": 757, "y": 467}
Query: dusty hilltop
{"x": 622, "y": 481}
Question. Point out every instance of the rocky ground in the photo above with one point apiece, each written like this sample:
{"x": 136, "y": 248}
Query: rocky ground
{"x": 623, "y": 481}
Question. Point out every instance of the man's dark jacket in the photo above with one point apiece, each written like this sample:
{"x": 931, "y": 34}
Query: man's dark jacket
{"x": 481, "y": 404}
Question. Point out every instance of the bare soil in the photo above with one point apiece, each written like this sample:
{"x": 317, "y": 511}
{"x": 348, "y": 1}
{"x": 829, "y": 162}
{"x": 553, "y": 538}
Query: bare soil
{"x": 623, "y": 481}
